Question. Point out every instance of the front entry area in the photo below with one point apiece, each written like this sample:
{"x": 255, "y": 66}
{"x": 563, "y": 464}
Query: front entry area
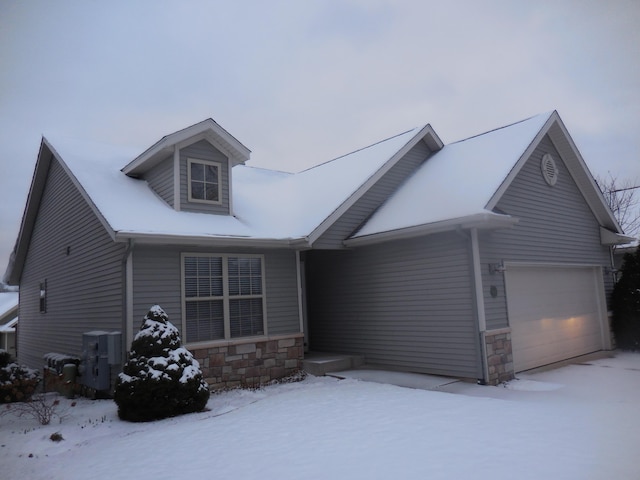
{"x": 555, "y": 313}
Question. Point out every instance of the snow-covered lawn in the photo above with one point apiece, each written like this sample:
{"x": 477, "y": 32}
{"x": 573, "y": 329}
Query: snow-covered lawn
{"x": 576, "y": 422}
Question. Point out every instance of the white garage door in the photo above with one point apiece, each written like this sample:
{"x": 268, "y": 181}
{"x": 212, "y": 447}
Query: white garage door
{"x": 555, "y": 313}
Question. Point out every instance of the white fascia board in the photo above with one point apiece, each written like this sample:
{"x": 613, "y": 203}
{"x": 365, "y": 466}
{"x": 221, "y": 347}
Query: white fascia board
{"x": 13, "y": 272}
{"x": 583, "y": 177}
{"x": 426, "y": 133}
{"x": 480, "y": 221}
{"x": 204, "y": 240}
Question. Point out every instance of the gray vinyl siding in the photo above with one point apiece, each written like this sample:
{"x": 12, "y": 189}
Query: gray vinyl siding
{"x": 407, "y": 304}
{"x": 348, "y": 223}
{"x": 556, "y": 226}
{"x": 84, "y": 289}
{"x": 160, "y": 179}
{"x": 203, "y": 150}
{"x": 157, "y": 280}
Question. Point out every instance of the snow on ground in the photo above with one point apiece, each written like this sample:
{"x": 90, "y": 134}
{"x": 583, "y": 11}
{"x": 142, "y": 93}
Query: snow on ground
{"x": 577, "y": 422}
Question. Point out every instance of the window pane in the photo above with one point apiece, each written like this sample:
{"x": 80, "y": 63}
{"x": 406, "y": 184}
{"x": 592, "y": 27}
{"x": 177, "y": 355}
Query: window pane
{"x": 197, "y": 190}
{"x": 204, "y": 288}
{"x": 244, "y": 266}
{"x": 233, "y": 265}
{"x": 211, "y": 192}
{"x": 211, "y": 174}
{"x": 203, "y": 276}
{"x": 256, "y": 286}
{"x": 256, "y": 266}
{"x": 204, "y": 268}
{"x": 216, "y": 265}
{"x": 205, "y": 320}
{"x": 246, "y": 317}
{"x": 245, "y": 285}
{"x": 245, "y": 276}
{"x": 191, "y": 287}
{"x": 216, "y": 286}
{"x": 190, "y": 266}
{"x": 197, "y": 171}
{"x": 234, "y": 286}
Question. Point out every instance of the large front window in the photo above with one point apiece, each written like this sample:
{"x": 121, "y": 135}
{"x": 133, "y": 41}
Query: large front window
{"x": 223, "y": 296}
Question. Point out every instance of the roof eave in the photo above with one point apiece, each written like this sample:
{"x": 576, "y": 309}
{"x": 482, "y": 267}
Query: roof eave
{"x": 18, "y": 256}
{"x": 607, "y": 237}
{"x": 207, "y": 129}
{"x": 481, "y": 221}
{"x": 209, "y": 240}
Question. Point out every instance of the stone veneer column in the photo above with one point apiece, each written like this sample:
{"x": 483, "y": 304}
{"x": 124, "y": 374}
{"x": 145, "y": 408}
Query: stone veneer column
{"x": 499, "y": 356}
{"x": 251, "y": 363}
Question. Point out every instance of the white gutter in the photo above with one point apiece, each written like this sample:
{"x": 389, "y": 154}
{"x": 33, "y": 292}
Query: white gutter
{"x": 483, "y": 220}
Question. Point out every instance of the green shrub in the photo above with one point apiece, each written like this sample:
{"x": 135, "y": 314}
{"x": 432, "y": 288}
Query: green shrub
{"x": 17, "y": 382}
{"x": 625, "y": 303}
{"x": 161, "y": 378}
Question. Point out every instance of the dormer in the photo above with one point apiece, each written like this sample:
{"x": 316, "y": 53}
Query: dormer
{"x": 191, "y": 169}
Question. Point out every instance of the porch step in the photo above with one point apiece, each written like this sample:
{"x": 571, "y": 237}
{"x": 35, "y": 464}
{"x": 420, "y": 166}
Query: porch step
{"x": 318, "y": 363}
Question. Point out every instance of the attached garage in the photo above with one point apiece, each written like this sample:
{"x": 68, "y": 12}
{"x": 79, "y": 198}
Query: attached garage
{"x": 555, "y": 313}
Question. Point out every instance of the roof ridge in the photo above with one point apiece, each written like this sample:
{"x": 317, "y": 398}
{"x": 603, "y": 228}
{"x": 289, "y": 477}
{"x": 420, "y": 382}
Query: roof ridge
{"x": 500, "y": 128}
{"x": 358, "y": 150}
{"x": 267, "y": 169}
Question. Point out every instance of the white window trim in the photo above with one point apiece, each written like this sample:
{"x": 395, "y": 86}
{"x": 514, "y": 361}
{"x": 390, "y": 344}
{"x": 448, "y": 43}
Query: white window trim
{"x": 218, "y": 165}
{"x": 225, "y": 297}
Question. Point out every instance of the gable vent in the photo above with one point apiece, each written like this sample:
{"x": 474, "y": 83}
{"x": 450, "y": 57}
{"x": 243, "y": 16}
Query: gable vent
{"x": 549, "y": 169}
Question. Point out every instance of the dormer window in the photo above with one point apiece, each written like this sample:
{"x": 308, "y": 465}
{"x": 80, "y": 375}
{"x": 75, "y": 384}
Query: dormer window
{"x": 204, "y": 181}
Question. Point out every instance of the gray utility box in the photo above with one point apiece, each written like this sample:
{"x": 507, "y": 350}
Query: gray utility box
{"x": 99, "y": 351}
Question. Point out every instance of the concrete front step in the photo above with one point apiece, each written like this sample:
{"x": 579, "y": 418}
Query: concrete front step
{"x": 318, "y": 363}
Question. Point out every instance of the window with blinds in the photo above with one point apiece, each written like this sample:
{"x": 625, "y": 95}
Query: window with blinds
{"x": 223, "y": 296}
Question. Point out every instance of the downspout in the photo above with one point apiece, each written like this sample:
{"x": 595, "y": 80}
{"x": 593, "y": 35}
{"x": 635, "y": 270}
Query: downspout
{"x": 127, "y": 288}
{"x": 479, "y": 297}
{"x": 614, "y": 272}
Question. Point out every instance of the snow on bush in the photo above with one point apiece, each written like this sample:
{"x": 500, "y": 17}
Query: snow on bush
{"x": 161, "y": 378}
{"x": 17, "y": 382}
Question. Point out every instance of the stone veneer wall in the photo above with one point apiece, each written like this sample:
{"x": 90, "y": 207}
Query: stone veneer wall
{"x": 250, "y": 363}
{"x": 499, "y": 356}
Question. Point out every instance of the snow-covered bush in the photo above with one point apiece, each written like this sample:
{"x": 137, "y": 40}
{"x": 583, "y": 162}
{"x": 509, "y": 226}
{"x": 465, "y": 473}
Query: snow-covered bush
{"x": 161, "y": 378}
{"x": 17, "y": 382}
{"x": 625, "y": 303}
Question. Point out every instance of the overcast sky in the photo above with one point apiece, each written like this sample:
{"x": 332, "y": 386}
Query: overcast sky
{"x": 301, "y": 82}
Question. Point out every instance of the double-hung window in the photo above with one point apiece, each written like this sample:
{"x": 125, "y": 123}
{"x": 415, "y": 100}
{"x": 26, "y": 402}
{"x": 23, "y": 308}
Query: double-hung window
{"x": 223, "y": 296}
{"x": 203, "y": 181}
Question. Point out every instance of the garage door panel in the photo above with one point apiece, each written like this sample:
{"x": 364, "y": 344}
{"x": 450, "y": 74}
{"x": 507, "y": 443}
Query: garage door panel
{"x": 554, "y": 314}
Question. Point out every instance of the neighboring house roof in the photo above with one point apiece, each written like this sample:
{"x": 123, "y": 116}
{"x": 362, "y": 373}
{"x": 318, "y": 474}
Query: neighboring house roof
{"x": 463, "y": 182}
{"x": 10, "y": 326}
{"x": 8, "y": 311}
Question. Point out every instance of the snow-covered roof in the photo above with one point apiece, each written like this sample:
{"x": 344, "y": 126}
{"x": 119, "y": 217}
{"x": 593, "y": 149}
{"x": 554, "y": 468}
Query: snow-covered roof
{"x": 8, "y": 304}
{"x": 267, "y": 204}
{"x": 129, "y": 205}
{"x": 10, "y": 326}
{"x": 457, "y": 187}
{"x": 456, "y": 182}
